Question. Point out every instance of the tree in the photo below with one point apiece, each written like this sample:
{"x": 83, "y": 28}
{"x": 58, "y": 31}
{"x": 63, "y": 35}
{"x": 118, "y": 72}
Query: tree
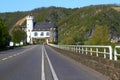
{"x": 4, "y": 35}
{"x": 100, "y": 35}
{"x": 18, "y": 35}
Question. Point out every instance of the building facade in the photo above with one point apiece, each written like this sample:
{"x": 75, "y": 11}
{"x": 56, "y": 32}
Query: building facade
{"x": 40, "y": 30}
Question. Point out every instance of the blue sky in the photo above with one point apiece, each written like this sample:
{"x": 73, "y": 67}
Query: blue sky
{"x": 25, "y": 5}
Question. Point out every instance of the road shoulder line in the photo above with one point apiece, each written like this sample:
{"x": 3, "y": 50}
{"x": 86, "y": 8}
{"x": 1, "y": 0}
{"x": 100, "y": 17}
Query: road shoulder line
{"x": 51, "y": 67}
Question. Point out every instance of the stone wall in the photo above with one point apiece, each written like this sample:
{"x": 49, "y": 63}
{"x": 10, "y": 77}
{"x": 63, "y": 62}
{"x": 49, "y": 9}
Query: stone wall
{"x": 105, "y": 66}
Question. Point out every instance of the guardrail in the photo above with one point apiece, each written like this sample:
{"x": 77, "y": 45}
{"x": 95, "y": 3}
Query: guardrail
{"x": 116, "y": 52}
{"x": 93, "y": 50}
{"x": 105, "y": 51}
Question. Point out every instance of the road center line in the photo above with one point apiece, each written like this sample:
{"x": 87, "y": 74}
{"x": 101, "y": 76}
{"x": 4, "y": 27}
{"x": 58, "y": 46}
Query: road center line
{"x": 51, "y": 67}
{"x": 43, "y": 71}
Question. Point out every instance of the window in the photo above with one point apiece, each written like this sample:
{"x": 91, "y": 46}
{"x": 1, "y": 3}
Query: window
{"x": 35, "y": 34}
{"x": 47, "y": 34}
{"x": 42, "y": 34}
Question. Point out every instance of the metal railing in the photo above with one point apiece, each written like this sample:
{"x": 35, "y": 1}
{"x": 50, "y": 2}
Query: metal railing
{"x": 116, "y": 52}
{"x": 105, "y": 51}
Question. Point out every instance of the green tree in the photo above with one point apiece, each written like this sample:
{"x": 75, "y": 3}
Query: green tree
{"x": 100, "y": 36}
{"x": 18, "y": 35}
{"x": 4, "y": 35}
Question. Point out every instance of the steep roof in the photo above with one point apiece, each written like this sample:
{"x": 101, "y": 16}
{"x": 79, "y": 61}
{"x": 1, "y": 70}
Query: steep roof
{"x": 43, "y": 26}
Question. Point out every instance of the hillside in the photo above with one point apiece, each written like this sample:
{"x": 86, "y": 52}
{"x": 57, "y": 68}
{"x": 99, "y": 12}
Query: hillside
{"x": 87, "y": 25}
{"x": 52, "y": 14}
{"x": 91, "y": 25}
{"x": 10, "y": 18}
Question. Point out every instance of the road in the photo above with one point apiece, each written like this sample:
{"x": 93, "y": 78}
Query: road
{"x": 38, "y": 62}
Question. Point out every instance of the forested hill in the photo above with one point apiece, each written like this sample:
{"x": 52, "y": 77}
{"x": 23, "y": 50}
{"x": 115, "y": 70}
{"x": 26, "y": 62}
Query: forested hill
{"x": 87, "y": 25}
{"x": 91, "y": 25}
{"x": 52, "y": 14}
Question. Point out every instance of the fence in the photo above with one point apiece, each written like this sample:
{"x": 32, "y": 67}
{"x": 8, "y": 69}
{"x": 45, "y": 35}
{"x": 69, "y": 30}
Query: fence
{"x": 105, "y": 51}
{"x": 116, "y": 52}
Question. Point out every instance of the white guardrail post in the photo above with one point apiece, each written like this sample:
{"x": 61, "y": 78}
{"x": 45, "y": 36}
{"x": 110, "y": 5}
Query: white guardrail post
{"x": 116, "y": 52}
{"x": 110, "y": 52}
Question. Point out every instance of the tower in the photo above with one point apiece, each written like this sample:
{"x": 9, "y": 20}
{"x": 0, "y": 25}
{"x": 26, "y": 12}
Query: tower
{"x": 29, "y": 27}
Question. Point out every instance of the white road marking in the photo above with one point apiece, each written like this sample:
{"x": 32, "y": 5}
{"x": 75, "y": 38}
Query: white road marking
{"x": 10, "y": 56}
{"x": 43, "y": 70}
{"x": 51, "y": 67}
{"x": 17, "y": 54}
{"x": 4, "y": 59}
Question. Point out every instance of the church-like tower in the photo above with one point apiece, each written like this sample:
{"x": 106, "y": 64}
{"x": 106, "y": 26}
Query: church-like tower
{"x": 44, "y": 31}
{"x": 29, "y": 27}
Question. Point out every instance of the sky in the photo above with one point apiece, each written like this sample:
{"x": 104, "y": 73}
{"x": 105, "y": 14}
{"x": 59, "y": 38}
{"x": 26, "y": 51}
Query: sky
{"x": 26, "y": 5}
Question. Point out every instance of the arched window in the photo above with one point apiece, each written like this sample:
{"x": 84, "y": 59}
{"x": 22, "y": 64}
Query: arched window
{"x": 42, "y": 34}
{"x": 48, "y": 34}
{"x": 35, "y": 34}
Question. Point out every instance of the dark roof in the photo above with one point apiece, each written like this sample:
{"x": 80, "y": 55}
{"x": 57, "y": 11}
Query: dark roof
{"x": 43, "y": 26}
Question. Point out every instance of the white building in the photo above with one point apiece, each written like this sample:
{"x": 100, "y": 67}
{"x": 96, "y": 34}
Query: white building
{"x": 40, "y": 30}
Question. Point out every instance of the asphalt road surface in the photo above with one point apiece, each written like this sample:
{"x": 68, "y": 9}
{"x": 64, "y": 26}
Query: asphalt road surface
{"x": 39, "y": 62}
